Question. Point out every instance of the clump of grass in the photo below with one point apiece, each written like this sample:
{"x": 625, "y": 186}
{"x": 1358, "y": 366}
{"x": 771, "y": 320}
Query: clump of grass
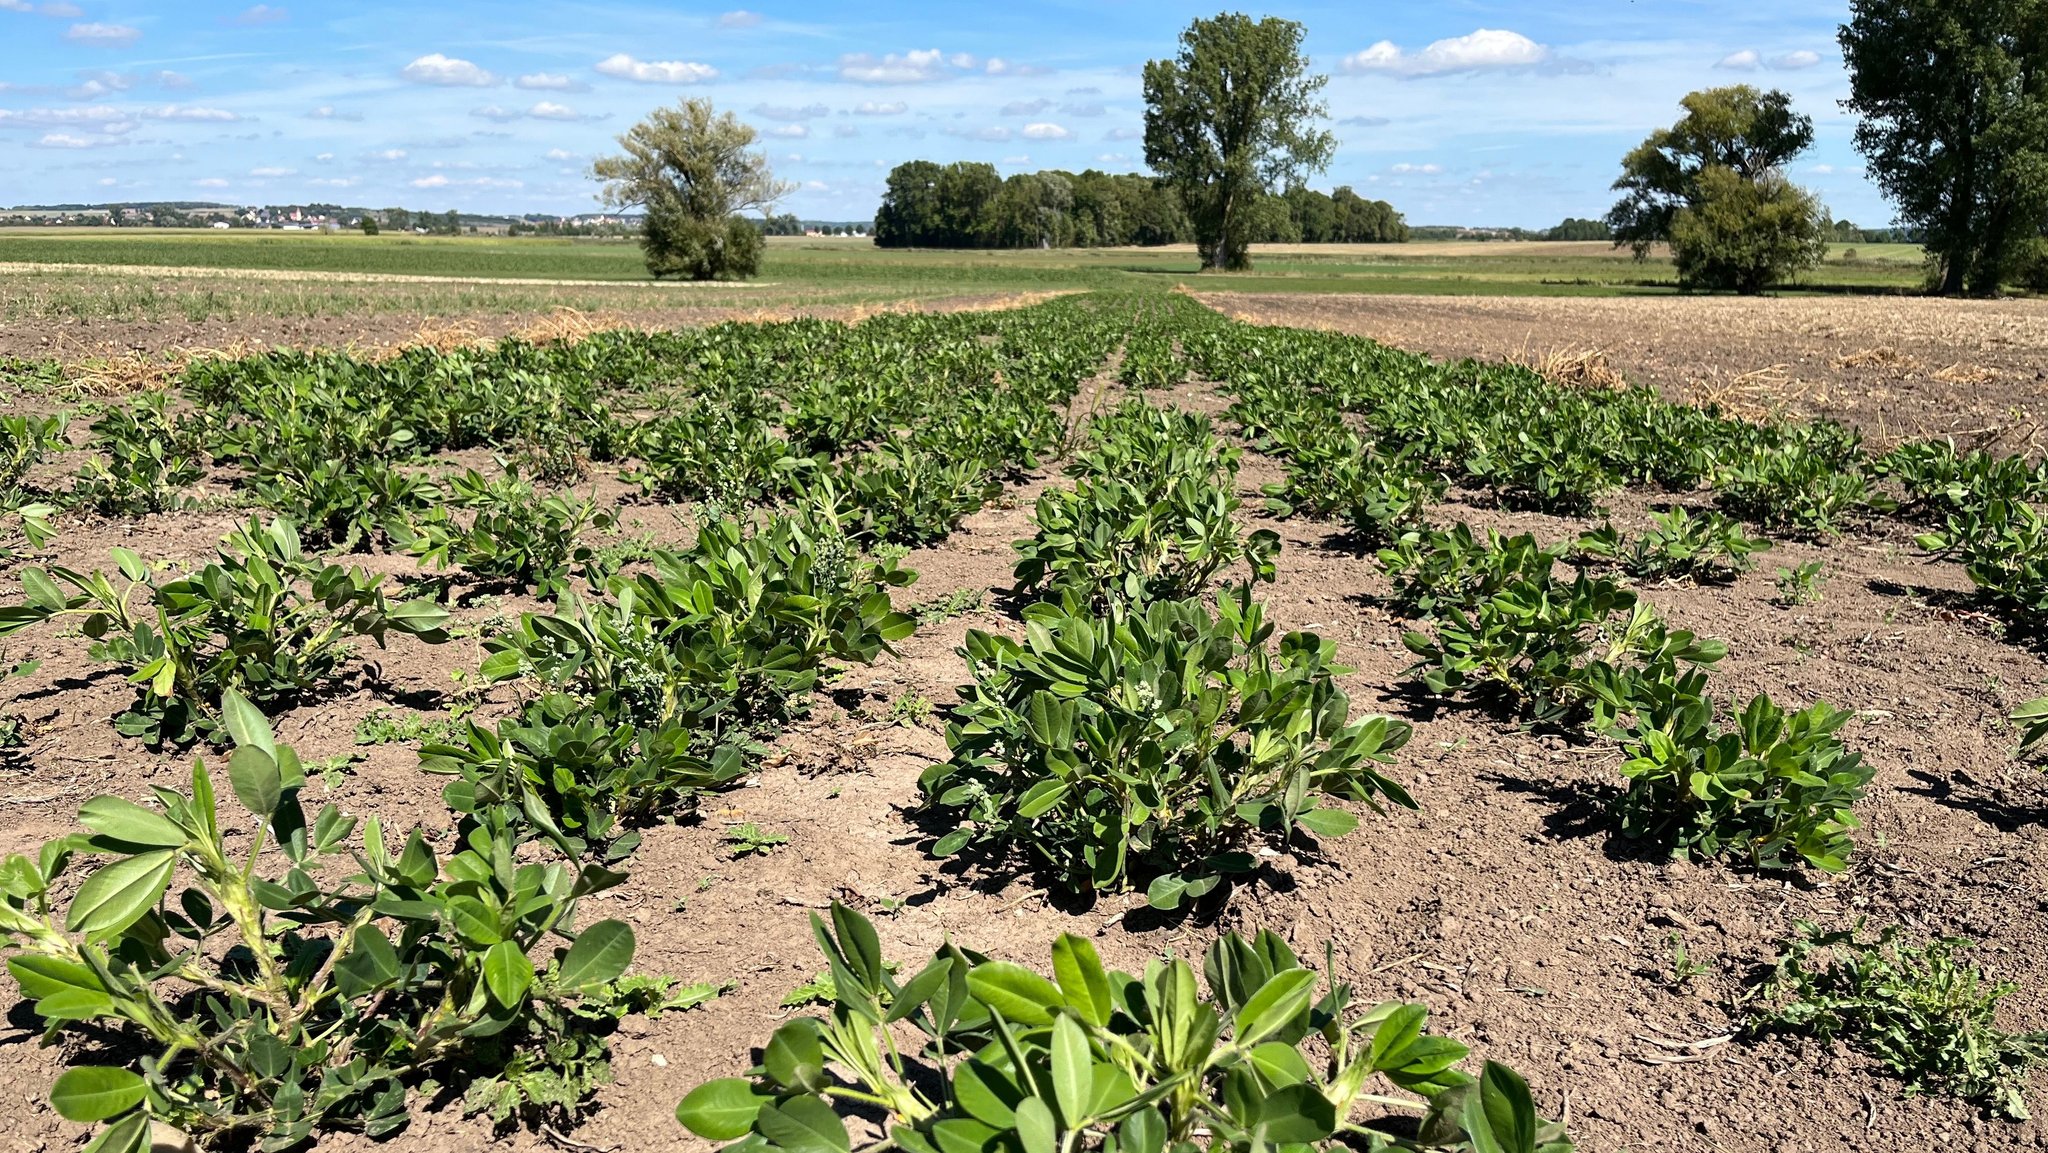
{"x": 1919, "y": 1011}
{"x": 959, "y": 602}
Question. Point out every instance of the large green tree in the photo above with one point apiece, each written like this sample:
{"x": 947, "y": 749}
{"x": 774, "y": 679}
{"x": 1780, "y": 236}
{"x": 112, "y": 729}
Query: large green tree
{"x": 1229, "y": 122}
{"x": 690, "y": 170}
{"x": 1953, "y": 96}
{"x": 1713, "y": 187}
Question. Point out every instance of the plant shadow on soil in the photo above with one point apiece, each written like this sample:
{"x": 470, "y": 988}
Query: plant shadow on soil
{"x": 2002, "y": 815}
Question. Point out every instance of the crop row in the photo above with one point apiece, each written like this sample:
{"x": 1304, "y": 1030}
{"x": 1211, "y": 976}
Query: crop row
{"x": 1147, "y": 730}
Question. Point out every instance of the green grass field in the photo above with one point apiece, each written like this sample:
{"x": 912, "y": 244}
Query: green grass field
{"x": 796, "y": 263}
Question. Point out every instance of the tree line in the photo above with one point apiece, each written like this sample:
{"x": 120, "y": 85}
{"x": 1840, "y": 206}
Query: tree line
{"x": 970, "y": 205}
{"x": 1952, "y": 101}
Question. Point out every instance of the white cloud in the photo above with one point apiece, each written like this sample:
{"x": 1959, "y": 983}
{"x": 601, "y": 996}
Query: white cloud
{"x": 560, "y": 154}
{"x": 1484, "y": 50}
{"x": 550, "y": 82}
{"x": 1045, "y": 131}
{"x": 268, "y": 171}
{"x": 495, "y": 112}
{"x": 61, "y": 10}
{"x": 1418, "y": 169}
{"x": 324, "y": 157}
{"x": 1792, "y": 61}
{"x": 210, "y": 182}
{"x": 789, "y": 112}
{"x": 447, "y": 71}
{"x": 16, "y": 6}
{"x": 260, "y": 14}
{"x": 108, "y": 182}
{"x": 329, "y": 112}
{"x": 333, "y": 182}
{"x": 913, "y": 67}
{"x": 886, "y": 108}
{"x": 845, "y": 131}
{"x": 1082, "y": 108}
{"x": 739, "y": 18}
{"x": 1822, "y": 169}
{"x": 1026, "y": 107}
{"x": 1743, "y": 61}
{"x": 1111, "y": 157}
{"x": 549, "y": 110}
{"x": 790, "y": 131}
{"x": 1017, "y": 161}
{"x": 112, "y": 120}
{"x": 656, "y": 71}
{"x": 67, "y": 140}
{"x": 435, "y": 181}
{"x": 106, "y": 35}
{"x": 1123, "y": 134}
{"x": 1365, "y": 121}
{"x": 389, "y": 154}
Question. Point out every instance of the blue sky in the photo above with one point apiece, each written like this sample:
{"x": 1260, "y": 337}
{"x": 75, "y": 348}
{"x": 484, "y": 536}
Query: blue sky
{"x": 1457, "y": 112}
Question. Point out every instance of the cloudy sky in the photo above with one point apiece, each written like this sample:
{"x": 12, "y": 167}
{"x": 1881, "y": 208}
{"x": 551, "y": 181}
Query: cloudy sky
{"x": 1456, "y": 111}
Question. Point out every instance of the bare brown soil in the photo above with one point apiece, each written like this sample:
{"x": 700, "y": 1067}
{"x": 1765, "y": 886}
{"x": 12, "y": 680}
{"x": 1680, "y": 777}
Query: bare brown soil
{"x": 1892, "y": 366}
{"x": 1502, "y": 904}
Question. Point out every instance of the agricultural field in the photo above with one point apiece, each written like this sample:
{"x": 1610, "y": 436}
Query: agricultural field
{"x": 1107, "y": 721}
{"x": 72, "y": 293}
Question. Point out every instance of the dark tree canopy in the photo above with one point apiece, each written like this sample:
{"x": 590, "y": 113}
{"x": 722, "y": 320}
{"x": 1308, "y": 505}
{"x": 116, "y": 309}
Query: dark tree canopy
{"x": 969, "y": 205}
{"x": 1738, "y": 128}
{"x": 1713, "y": 187}
{"x": 1228, "y": 124}
{"x": 1953, "y": 96}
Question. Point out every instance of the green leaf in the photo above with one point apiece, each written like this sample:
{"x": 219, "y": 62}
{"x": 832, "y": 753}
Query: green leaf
{"x": 1296, "y": 1115}
{"x": 1501, "y": 1117}
{"x": 1164, "y": 893}
{"x": 795, "y": 1057}
{"x": 1035, "y": 1126}
{"x": 1081, "y": 977}
{"x": 508, "y": 973}
{"x": 1280, "y": 1000}
{"x": 130, "y": 823}
{"x": 119, "y": 893}
{"x": 96, "y": 1092}
{"x": 248, "y": 726}
{"x": 804, "y": 1125}
{"x": 600, "y": 954}
{"x": 1073, "y": 1071}
{"x": 131, "y": 1134}
{"x": 371, "y": 963}
{"x": 1014, "y": 991}
{"x": 253, "y": 773}
{"x": 42, "y": 592}
{"x": 721, "y": 1110}
{"x": 1327, "y": 822}
{"x": 61, "y": 989}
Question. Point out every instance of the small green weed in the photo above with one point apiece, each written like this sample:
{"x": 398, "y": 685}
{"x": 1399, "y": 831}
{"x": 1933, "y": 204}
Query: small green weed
{"x": 1923, "y": 1014}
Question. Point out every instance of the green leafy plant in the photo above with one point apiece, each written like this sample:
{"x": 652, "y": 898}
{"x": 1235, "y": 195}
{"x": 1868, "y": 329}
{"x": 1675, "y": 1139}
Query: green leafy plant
{"x": 1801, "y": 584}
{"x": 1678, "y": 546}
{"x": 280, "y": 1003}
{"x": 1776, "y": 789}
{"x": 590, "y": 781}
{"x": 385, "y": 727}
{"x": 239, "y": 623}
{"x": 516, "y": 536}
{"x": 143, "y": 460}
{"x": 1919, "y": 1010}
{"x": 1098, "y": 1059}
{"x": 1107, "y": 541}
{"x": 724, "y": 637}
{"x": 751, "y": 840}
{"x": 1158, "y": 745}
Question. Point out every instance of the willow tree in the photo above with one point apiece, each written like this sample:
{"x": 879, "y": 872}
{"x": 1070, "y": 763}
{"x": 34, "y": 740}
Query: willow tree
{"x": 1229, "y": 123}
{"x": 690, "y": 170}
